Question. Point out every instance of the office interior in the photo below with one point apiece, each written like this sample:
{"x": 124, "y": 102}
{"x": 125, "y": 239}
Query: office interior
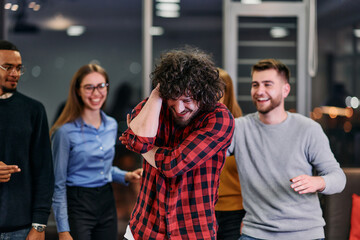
{"x": 318, "y": 39}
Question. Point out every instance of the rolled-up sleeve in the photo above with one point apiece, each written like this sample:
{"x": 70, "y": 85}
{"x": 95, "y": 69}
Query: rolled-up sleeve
{"x": 138, "y": 144}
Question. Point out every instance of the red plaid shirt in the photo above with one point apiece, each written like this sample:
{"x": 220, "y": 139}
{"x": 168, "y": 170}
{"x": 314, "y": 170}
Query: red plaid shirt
{"x": 176, "y": 201}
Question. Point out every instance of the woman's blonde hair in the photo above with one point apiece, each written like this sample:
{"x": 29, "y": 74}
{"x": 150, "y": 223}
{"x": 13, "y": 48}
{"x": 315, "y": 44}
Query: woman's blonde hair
{"x": 229, "y": 98}
{"x": 74, "y": 105}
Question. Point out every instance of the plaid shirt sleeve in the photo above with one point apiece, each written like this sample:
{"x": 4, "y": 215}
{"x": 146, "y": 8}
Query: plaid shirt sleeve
{"x": 136, "y": 143}
{"x": 198, "y": 147}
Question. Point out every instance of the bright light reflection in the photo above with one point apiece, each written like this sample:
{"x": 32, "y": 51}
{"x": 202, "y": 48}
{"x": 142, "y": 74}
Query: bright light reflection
{"x": 7, "y": 6}
{"x": 36, "y": 7}
{"x": 279, "y": 32}
{"x": 354, "y": 102}
{"x": 357, "y": 33}
{"x": 75, "y": 30}
{"x": 348, "y": 101}
{"x": 14, "y": 7}
{"x": 349, "y": 112}
{"x": 32, "y": 5}
{"x": 251, "y": 1}
{"x": 168, "y": 1}
{"x": 58, "y": 23}
{"x": 167, "y": 7}
{"x": 333, "y": 112}
{"x": 167, "y": 14}
{"x": 156, "y": 31}
{"x": 317, "y": 113}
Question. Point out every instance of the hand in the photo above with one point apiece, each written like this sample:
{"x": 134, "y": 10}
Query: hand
{"x": 6, "y": 171}
{"x": 156, "y": 91}
{"x": 35, "y": 235}
{"x": 123, "y": 141}
{"x": 122, "y": 138}
{"x": 128, "y": 120}
{"x": 65, "y": 236}
{"x": 307, "y": 184}
{"x": 134, "y": 176}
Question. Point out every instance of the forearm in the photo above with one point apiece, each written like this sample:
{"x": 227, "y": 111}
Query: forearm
{"x": 335, "y": 182}
{"x": 146, "y": 123}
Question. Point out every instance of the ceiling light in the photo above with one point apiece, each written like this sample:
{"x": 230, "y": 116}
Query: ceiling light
{"x": 251, "y": 1}
{"x": 354, "y": 102}
{"x": 75, "y": 30}
{"x": 168, "y": 1}
{"x": 167, "y": 7}
{"x": 36, "y": 7}
{"x": 32, "y": 5}
{"x": 7, "y": 6}
{"x": 348, "y": 101}
{"x": 168, "y": 14}
{"x": 58, "y": 23}
{"x": 156, "y": 31}
{"x": 14, "y": 7}
{"x": 357, "y": 33}
{"x": 279, "y": 32}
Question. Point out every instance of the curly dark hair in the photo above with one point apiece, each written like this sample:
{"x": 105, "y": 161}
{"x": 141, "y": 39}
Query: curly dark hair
{"x": 188, "y": 72}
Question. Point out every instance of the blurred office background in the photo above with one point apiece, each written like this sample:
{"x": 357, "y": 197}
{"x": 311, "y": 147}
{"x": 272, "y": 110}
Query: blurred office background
{"x": 318, "y": 39}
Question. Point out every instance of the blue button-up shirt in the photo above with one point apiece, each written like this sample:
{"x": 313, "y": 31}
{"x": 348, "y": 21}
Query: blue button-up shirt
{"x": 83, "y": 157}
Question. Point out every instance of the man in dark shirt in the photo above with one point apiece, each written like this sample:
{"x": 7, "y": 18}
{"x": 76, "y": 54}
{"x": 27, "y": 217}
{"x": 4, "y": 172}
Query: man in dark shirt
{"x": 182, "y": 133}
{"x": 26, "y": 171}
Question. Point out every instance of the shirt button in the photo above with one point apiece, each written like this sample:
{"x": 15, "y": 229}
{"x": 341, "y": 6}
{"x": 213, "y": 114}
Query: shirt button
{"x": 101, "y": 148}
{"x": 101, "y": 160}
{"x": 101, "y": 173}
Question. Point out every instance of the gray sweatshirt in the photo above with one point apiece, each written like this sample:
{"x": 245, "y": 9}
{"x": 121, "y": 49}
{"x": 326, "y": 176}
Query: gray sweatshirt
{"x": 267, "y": 157}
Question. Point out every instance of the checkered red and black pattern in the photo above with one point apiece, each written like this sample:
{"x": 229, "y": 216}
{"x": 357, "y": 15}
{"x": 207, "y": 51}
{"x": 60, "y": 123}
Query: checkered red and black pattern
{"x": 177, "y": 200}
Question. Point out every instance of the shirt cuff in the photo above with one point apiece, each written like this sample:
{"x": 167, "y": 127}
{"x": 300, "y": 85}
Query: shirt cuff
{"x": 63, "y": 226}
{"x": 139, "y": 144}
{"x": 118, "y": 176}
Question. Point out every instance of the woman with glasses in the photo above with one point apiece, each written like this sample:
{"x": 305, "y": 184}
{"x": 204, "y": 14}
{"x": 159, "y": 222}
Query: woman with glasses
{"x": 83, "y": 140}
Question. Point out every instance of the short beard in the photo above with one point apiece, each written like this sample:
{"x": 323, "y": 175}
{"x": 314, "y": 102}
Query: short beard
{"x": 7, "y": 90}
{"x": 185, "y": 123}
{"x": 274, "y": 104}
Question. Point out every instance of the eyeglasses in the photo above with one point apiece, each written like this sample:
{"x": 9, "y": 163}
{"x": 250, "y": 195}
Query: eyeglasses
{"x": 10, "y": 68}
{"x": 89, "y": 88}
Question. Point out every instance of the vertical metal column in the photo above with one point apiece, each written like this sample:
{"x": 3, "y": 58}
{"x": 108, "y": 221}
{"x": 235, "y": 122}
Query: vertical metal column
{"x": 147, "y": 45}
{"x": 2, "y": 20}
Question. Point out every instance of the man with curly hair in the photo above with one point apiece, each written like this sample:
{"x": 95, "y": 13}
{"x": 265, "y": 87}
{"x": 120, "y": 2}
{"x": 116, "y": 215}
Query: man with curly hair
{"x": 182, "y": 133}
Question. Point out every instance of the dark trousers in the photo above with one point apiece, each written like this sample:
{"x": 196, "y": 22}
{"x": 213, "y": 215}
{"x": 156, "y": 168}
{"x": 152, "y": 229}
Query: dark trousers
{"x": 92, "y": 213}
{"x": 229, "y": 224}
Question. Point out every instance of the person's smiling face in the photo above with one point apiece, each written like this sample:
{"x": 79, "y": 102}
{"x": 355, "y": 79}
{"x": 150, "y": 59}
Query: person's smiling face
{"x": 183, "y": 109}
{"x": 93, "y": 99}
{"x": 268, "y": 90}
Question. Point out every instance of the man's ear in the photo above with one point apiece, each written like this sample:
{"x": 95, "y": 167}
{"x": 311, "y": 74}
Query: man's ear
{"x": 286, "y": 89}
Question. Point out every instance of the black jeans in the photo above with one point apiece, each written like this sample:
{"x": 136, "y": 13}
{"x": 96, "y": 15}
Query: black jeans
{"x": 92, "y": 213}
{"x": 229, "y": 224}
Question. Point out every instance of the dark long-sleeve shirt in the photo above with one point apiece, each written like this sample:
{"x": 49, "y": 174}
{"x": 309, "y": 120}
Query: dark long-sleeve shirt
{"x": 177, "y": 199}
{"x": 24, "y": 141}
